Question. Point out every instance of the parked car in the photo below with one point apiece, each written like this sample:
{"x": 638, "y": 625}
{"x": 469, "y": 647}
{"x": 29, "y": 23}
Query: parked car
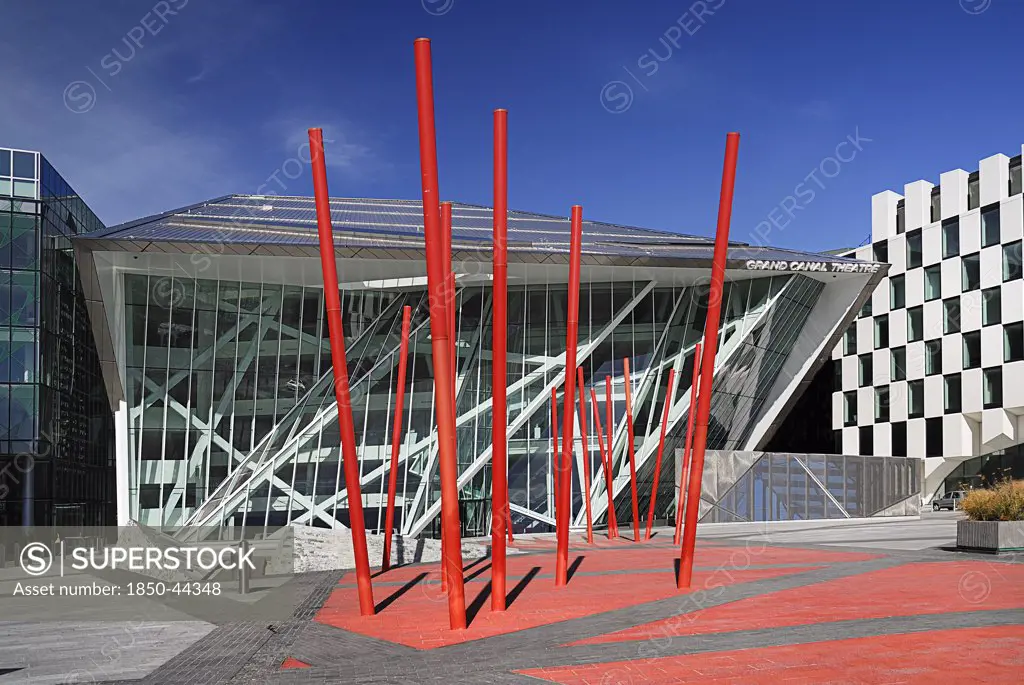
{"x": 951, "y": 501}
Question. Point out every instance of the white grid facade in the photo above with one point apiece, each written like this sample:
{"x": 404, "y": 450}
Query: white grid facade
{"x": 933, "y": 366}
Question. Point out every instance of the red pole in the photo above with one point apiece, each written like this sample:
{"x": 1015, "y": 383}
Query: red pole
{"x": 691, "y": 413}
{"x": 586, "y": 455}
{"x": 449, "y": 305}
{"x": 610, "y": 423}
{"x": 449, "y": 291}
{"x": 396, "y": 435}
{"x": 571, "y": 336}
{"x": 499, "y": 445}
{"x": 707, "y": 364}
{"x": 661, "y": 451}
{"x": 605, "y": 464}
{"x": 441, "y": 353}
{"x": 554, "y": 447}
{"x": 632, "y": 450}
{"x": 332, "y": 300}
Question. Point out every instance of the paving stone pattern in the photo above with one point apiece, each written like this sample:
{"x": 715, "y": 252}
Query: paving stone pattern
{"x": 756, "y": 614}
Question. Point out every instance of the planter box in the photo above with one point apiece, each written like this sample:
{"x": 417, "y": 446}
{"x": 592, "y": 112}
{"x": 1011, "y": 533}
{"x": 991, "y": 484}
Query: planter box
{"x": 990, "y": 536}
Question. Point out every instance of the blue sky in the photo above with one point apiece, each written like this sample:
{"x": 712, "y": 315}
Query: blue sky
{"x": 215, "y": 98}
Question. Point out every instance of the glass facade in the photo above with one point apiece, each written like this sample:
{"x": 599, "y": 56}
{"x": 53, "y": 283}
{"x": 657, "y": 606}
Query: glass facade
{"x": 782, "y": 487}
{"x": 56, "y": 429}
{"x": 232, "y": 417}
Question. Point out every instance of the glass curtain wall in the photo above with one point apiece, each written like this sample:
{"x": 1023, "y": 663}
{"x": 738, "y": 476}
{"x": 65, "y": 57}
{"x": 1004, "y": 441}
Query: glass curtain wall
{"x": 56, "y": 428}
{"x": 234, "y": 420}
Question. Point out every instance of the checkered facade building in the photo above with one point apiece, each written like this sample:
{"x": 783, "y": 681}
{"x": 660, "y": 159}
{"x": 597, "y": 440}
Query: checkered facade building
{"x": 933, "y": 365}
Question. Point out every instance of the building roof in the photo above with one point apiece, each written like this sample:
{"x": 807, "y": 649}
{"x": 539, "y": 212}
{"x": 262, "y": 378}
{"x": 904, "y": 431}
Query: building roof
{"x": 284, "y": 225}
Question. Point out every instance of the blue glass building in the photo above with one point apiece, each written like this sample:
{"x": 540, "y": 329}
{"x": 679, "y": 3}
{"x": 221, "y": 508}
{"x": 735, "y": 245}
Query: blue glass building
{"x": 56, "y": 427}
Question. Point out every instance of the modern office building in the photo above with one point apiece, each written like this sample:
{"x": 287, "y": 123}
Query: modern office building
{"x": 209, "y": 324}
{"x": 56, "y": 428}
{"x": 933, "y": 367}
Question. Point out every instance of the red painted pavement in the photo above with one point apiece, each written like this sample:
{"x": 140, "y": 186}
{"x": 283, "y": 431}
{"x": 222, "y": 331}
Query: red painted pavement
{"x": 990, "y": 655}
{"x": 292, "y": 662}
{"x": 418, "y": 617}
{"x": 628, "y": 555}
{"x": 912, "y": 589}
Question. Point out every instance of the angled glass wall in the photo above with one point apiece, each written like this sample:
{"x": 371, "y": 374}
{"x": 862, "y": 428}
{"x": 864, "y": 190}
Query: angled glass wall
{"x": 234, "y": 423}
{"x": 764, "y": 486}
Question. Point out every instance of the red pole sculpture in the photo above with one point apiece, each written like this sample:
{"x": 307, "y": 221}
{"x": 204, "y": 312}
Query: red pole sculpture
{"x": 554, "y": 446}
{"x": 449, "y": 291}
{"x": 605, "y": 464}
{"x": 396, "y": 435}
{"x": 661, "y": 451}
{"x": 449, "y": 304}
{"x": 441, "y": 353}
{"x": 499, "y": 445}
{"x": 707, "y": 364}
{"x": 689, "y": 441}
{"x": 632, "y": 449}
{"x": 571, "y": 335}
{"x": 610, "y": 423}
{"x": 332, "y": 300}
{"x": 586, "y": 456}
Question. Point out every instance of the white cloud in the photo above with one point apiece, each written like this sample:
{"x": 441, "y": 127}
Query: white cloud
{"x": 342, "y": 153}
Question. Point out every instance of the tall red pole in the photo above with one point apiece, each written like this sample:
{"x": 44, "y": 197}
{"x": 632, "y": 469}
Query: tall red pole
{"x": 332, "y": 300}
{"x": 499, "y": 325}
{"x": 661, "y": 451}
{"x": 449, "y": 292}
{"x": 449, "y": 307}
{"x": 610, "y": 423}
{"x": 441, "y": 353}
{"x": 632, "y": 449}
{"x": 707, "y": 365}
{"x": 683, "y": 477}
{"x": 606, "y": 464}
{"x": 396, "y": 436}
{"x": 554, "y": 444}
{"x": 586, "y": 455}
{"x": 569, "y": 409}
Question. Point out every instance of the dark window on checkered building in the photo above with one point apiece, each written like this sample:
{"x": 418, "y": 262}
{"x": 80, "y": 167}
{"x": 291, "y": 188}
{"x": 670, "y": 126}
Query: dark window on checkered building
{"x": 850, "y": 408}
{"x": 898, "y": 368}
{"x": 951, "y": 398}
{"x": 897, "y": 292}
{"x": 970, "y": 272}
{"x": 933, "y": 357}
{"x": 899, "y": 439}
{"x": 915, "y": 324}
{"x": 972, "y": 350}
{"x": 933, "y": 437}
{"x": 881, "y": 331}
{"x": 915, "y": 399}
{"x": 1013, "y": 342}
{"x": 1012, "y": 261}
{"x": 864, "y": 365}
{"x": 915, "y": 255}
{"x": 882, "y": 404}
{"x": 992, "y": 391}
{"x": 950, "y": 238}
{"x": 867, "y": 441}
{"x": 990, "y": 225}
{"x": 880, "y": 250}
{"x": 991, "y": 306}
{"x": 951, "y": 315}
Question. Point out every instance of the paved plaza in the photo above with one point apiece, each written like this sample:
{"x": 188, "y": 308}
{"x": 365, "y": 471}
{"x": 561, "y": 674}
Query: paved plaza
{"x": 821, "y": 602}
